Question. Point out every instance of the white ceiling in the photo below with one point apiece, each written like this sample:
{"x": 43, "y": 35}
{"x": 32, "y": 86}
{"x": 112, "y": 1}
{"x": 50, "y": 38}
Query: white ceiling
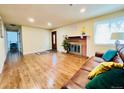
{"x": 57, "y": 14}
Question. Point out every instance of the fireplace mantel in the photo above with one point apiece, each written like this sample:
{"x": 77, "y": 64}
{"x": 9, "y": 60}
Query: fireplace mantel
{"x": 81, "y": 37}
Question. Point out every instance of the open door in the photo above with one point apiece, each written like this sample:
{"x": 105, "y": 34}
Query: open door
{"x": 54, "y": 41}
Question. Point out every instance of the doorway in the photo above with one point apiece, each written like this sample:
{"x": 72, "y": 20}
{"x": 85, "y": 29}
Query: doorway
{"x": 54, "y": 41}
{"x": 14, "y": 42}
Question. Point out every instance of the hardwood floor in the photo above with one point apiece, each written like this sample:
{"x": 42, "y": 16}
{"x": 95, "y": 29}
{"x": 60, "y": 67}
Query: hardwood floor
{"x": 48, "y": 70}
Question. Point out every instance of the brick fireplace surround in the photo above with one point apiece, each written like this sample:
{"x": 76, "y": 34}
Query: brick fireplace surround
{"x": 78, "y": 45}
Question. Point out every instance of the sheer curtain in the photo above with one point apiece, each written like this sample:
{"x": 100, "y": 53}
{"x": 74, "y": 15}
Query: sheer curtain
{"x": 104, "y": 29}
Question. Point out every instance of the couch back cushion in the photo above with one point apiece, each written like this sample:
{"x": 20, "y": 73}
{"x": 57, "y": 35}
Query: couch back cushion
{"x": 120, "y": 49}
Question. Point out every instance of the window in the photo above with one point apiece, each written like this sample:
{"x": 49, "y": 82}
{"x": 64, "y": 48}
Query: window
{"x": 104, "y": 29}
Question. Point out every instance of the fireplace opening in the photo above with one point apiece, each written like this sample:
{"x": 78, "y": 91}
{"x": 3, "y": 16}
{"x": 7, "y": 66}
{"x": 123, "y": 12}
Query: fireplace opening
{"x": 75, "y": 48}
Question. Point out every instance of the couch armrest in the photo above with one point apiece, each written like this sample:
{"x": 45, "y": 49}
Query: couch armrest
{"x": 98, "y": 54}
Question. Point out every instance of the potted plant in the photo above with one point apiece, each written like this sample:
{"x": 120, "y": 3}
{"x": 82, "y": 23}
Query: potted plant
{"x": 66, "y": 45}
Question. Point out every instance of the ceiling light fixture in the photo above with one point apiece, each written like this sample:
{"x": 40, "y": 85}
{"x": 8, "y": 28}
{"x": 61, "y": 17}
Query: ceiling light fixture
{"x": 49, "y": 24}
{"x": 82, "y": 10}
{"x": 31, "y": 20}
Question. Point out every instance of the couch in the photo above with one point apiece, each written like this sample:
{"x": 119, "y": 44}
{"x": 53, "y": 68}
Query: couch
{"x": 80, "y": 79}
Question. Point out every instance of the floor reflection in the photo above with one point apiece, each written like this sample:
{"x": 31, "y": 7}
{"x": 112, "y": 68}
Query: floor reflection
{"x": 54, "y": 59}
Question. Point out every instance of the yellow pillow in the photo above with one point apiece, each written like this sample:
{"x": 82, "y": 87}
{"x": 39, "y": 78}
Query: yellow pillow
{"x": 104, "y": 66}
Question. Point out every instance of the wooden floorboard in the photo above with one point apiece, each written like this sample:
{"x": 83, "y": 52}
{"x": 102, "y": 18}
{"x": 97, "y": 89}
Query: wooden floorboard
{"x": 35, "y": 71}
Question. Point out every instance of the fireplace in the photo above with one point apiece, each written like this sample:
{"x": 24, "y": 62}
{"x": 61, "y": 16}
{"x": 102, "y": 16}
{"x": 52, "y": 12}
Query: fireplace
{"x": 77, "y": 45}
{"x": 75, "y": 48}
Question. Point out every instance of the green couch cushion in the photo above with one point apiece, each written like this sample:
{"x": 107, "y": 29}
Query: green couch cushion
{"x": 108, "y": 55}
{"x": 113, "y": 78}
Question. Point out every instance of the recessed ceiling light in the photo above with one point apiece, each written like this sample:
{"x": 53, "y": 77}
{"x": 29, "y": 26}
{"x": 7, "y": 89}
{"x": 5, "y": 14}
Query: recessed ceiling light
{"x": 49, "y": 24}
{"x": 82, "y": 10}
{"x": 31, "y": 20}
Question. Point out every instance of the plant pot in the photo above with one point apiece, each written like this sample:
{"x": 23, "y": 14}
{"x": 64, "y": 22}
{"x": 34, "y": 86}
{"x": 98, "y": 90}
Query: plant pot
{"x": 65, "y": 51}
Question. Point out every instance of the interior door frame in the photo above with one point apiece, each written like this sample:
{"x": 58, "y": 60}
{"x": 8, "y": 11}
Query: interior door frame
{"x": 54, "y": 46}
{"x": 19, "y": 39}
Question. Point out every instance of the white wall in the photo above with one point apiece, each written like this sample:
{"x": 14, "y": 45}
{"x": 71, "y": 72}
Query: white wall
{"x": 2, "y": 54}
{"x": 76, "y": 29}
{"x": 3, "y": 51}
{"x": 35, "y": 39}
